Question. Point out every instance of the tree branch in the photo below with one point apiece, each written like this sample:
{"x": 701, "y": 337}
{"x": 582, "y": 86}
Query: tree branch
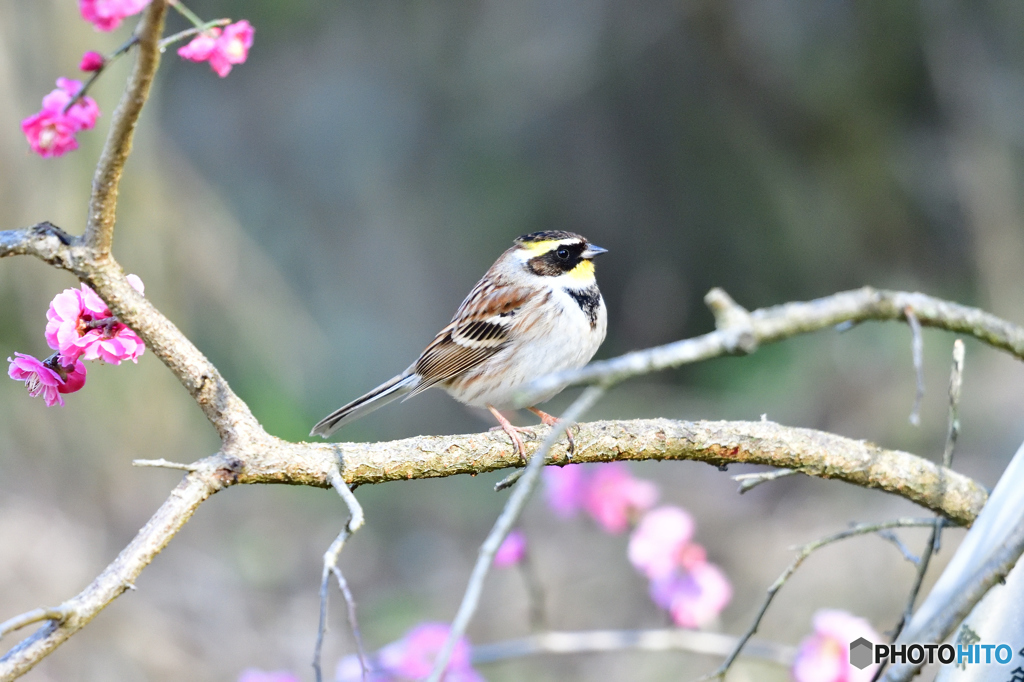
{"x": 253, "y": 456}
{"x": 814, "y": 453}
{"x": 767, "y": 325}
{"x": 99, "y": 231}
{"x": 674, "y": 639}
{"x": 212, "y": 474}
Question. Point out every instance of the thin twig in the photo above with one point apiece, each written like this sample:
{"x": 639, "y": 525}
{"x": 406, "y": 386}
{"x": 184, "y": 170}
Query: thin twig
{"x": 904, "y": 550}
{"x": 163, "y": 463}
{"x": 58, "y": 614}
{"x": 107, "y": 61}
{"x": 331, "y": 556}
{"x": 751, "y": 481}
{"x": 942, "y": 624}
{"x": 509, "y": 515}
{"x": 769, "y": 325}
{"x": 189, "y": 32}
{"x": 674, "y": 639}
{"x": 534, "y": 592}
{"x": 956, "y": 382}
{"x": 805, "y": 551}
{"x": 935, "y": 538}
{"x": 917, "y": 351}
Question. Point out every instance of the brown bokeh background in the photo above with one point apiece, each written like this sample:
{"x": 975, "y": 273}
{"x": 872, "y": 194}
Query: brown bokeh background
{"x": 314, "y": 218}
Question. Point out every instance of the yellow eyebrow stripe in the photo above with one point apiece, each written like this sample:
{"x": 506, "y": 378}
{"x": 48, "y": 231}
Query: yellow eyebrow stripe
{"x": 540, "y": 248}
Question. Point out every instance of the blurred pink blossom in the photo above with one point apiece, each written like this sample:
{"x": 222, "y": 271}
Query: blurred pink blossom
{"x": 106, "y": 15}
{"x": 51, "y": 132}
{"x": 222, "y": 49}
{"x": 824, "y": 656}
{"x": 564, "y": 488}
{"x": 657, "y": 546}
{"x": 80, "y": 325}
{"x": 614, "y": 498}
{"x": 411, "y": 658}
{"x": 42, "y": 379}
{"x": 512, "y": 550}
{"x": 256, "y": 675}
{"x": 693, "y": 596}
{"x": 91, "y": 61}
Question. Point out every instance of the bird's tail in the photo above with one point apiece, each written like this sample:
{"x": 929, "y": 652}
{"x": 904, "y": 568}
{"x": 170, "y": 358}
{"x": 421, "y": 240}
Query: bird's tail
{"x": 378, "y": 397}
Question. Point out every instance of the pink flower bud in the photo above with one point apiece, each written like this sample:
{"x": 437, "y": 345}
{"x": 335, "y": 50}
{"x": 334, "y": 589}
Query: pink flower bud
{"x": 91, "y": 61}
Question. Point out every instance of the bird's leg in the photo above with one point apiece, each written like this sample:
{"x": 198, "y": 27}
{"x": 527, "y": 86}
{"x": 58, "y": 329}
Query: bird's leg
{"x": 549, "y": 420}
{"x": 512, "y": 431}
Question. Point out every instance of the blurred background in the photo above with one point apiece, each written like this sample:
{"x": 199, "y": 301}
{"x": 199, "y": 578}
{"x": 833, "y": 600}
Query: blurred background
{"x": 313, "y": 219}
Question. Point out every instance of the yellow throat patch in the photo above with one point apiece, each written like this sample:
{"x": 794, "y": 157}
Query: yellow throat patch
{"x": 582, "y": 274}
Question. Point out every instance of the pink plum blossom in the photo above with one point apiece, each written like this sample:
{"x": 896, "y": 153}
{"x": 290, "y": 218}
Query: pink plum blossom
{"x": 91, "y": 61}
{"x": 80, "y": 325}
{"x": 614, "y": 498}
{"x": 824, "y": 656}
{"x": 411, "y": 658}
{"x": 658, "y": 545}
{"x": 51, "y": 132}
{"x": 564, "y": 489}
{"x": 106, "y": 15}
{"x": 512, "y": 550}
{"x": 694, "y": 596}
{"x": 223, "y": 49}
{"x": 256, "y": 675}
{"x": 46, "y": 378}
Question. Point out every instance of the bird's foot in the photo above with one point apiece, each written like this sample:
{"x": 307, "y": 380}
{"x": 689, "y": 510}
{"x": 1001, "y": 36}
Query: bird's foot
{"x": 512, "y": 430}
{"x": 550, "y": 420}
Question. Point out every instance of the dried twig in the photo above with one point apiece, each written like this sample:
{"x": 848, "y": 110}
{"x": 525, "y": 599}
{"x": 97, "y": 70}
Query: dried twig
{"x": 163, "y": 463}
{"x": 675, "y": 639}
{"x": 773, "y": 324}
{"x": 917, "y": 352}
{"x": 331, "y": 557}
{"x": 805, "y": 551}
{"x": 751, "y": 481}
{"x": 509, "y": 515}
{"x": 935, "y": 537}
{"x": 57, "y": 614}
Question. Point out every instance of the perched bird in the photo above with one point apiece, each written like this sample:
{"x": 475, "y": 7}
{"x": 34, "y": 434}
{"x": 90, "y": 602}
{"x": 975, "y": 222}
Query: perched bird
{"x": 536, "y": 311}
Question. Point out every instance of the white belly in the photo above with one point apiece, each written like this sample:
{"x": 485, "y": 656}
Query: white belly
{"x": 544, "y": 345}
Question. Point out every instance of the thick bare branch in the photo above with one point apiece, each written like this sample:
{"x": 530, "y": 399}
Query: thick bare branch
{"x": 811, "y": 452}
{"x": 99, "y": 231}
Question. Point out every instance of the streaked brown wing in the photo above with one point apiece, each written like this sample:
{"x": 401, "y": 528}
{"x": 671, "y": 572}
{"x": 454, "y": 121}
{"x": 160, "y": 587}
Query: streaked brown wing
{"x": 479, "y": 329}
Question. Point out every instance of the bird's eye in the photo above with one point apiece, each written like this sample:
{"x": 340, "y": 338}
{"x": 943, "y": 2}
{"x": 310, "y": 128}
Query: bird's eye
{"x": 563, "y": 254}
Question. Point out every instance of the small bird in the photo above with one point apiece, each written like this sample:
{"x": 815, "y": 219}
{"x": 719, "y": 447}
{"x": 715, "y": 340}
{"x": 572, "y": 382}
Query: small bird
{"x": 537, "y": 310}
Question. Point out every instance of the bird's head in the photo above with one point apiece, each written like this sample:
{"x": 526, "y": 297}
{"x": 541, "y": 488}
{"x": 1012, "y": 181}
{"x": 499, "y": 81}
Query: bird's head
{"x": 555, "y": 253}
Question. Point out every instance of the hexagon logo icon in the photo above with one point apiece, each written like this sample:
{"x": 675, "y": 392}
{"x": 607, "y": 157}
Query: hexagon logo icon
{"x": 860, "y": 653}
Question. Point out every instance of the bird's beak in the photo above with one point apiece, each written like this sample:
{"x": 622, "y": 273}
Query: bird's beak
{"x": 593, "y": 250}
